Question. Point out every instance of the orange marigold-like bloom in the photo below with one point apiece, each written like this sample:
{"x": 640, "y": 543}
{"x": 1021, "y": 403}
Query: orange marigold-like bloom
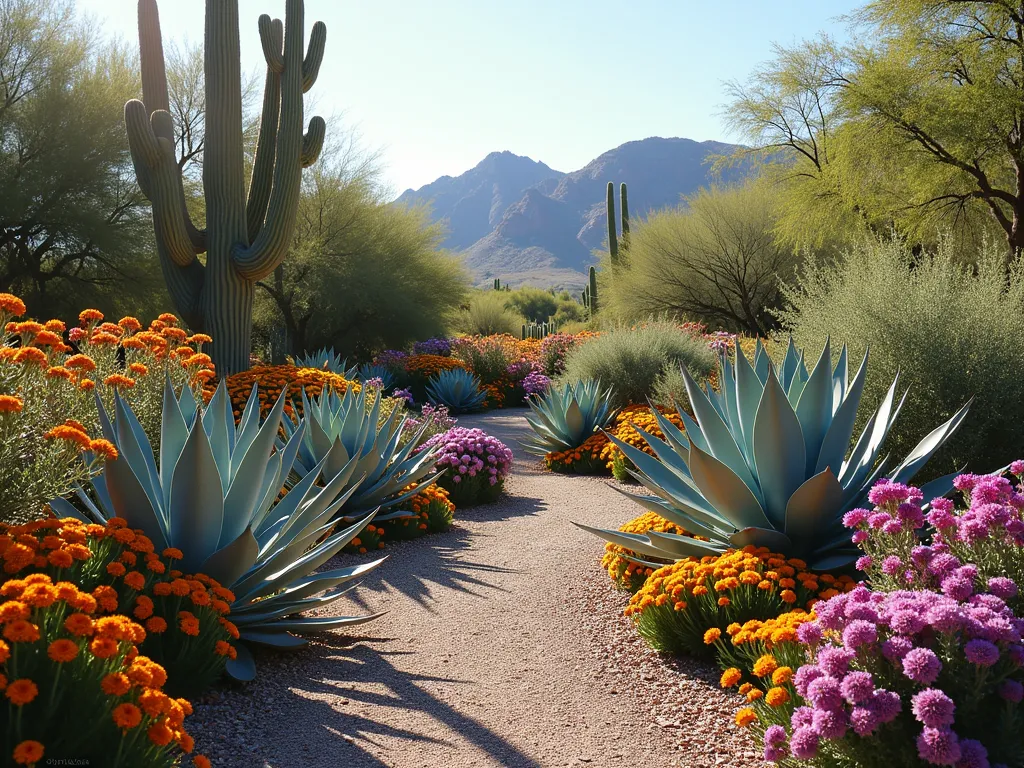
{"x": 62, "y": 650}
{"x": 103, "y": 647}
{"x": 712, "y": 635}
{"x": 106, "y": 597}
{"x": 87, "y": 385}
{"x": 143, "y": 607}
{"x": 173, "y": 553}
{"x": 776, "y": 696}
{"x": 60, "y": 558}
{"x": 156, "y": 625}
{"x": 22, "y": 691}
{"x": 80, "y": 363}
{"x": 730, "y": 677}
{"x": 199, "y": 338}
{"x": 79, "y": 624}
{"x": 154, "y": 702}
{"x": 116, "y": 684}
{"x": 135, "y": 580}
{"x": 28, "y": 752}
{"x": 5, "y": 652}
{"x": 64, "y": 432}
{"x": 30, "y": 355}
{"x": 21, "y": 631}
{"x": 118, "y": 380}
{"x": 127, "y": 716}
{"x": 103, "y": 338}
{"x": 765, "y": 665}
{"x": 782, "y": 675}
{"x": 138, "y": 369}
{"x": 230, "y": 627}
{"x": 745, "y": 717}
{"x": 130, "y": 324}
{"x": 12, "y": 305}
{"x": 11, "y": 404}
{"x": 13, "y": 610}
{"x": 103, "y": 448}
{"x": 87, "y": 316}
{"x": 47, "y": 338}
{"x": 167, "y": 318}
{"x": 186, "y": 742}
{"x": 201, "y": 761}
{"x": 160, "y": 734}
{"x": 55, "y": 325}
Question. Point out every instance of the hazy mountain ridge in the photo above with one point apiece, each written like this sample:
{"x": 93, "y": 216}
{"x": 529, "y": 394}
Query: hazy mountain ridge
{"x": 517, "y": 219}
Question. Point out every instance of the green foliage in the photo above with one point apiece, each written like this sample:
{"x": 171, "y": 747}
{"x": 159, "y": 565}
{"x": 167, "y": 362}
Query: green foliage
{"x": 327, "y": 359}
{"x": 568, "y": 311}
{"x": 215, "y": 495}
{"x": 487, "y": 315}
{"x": 567, "y": 415}
{"x": 915, "y": 125}
{"x": 952, "y": 332}
{"x": 458, "y": 390}
{"x": 535, "y": 304}
{"x": 632, "y": 359}
{"x": 766, "y": 461}
{"x": 363, "y": 275}
{"x": 715, "y": 260}
{"x": 73, "y": 232}
{"x": 670, "y": 389}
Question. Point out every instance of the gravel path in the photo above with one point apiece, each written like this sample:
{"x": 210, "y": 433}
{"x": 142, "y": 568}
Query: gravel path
{"x": 504, "y": 645}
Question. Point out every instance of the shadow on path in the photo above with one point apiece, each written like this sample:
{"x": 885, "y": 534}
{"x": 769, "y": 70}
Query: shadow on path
{"x": 362, "y": 674}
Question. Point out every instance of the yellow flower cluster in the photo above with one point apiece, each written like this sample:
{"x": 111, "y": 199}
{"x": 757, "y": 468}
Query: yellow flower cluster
{"x": 626, "y": 573}
{"x": 781, "y": 629}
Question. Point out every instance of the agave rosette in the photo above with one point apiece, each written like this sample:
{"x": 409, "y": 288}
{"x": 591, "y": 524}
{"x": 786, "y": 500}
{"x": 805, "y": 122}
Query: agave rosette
{"x": 458, "y": 389}
{"x": 565, "y": 416}
{"x": 326, "y": 359}
{"x": 214, "y": 494}
{"x": 768, "y": 461}
{"x": 370, "y": 371}
{"x": 343, "y": 434}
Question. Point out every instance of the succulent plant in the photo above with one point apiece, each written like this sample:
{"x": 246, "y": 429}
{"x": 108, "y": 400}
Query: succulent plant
{"x": 327, "y": 359}
{"x": 369, "y": 371}
{"x": 343, "y": 435}
{"x": 457, "y": 389}
{"x": 214, "y": 494}
{"x": 768, "y": 461}
{"x": 567, "y": 415}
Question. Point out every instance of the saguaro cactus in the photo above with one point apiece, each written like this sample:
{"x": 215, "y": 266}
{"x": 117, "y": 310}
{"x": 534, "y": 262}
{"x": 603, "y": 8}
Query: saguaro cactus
{"x": 624, "y": 213}
{"x": 613, "y": 241}
{"x": 247, "y": 234}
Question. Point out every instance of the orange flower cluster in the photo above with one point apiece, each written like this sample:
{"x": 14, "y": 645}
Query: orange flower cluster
{"x": 74, "y": 432}
{"x": 626, "y": 574}
{"x": 597, "y": 454}
{"x": 680, "y": 603}
{"x": 369, "y": 538}
{"x": 46, "y": 622}
{"x": 429, "y": 510}
{"x": 425, "y": 367}
{"x": 271, "y": 379}
{"x": 771, "y": 632}
{"x": 126, "y": 575}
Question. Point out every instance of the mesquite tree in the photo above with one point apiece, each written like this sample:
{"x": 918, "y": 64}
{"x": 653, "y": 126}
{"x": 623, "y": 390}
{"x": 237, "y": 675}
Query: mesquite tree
{"x": 247, "y": 234}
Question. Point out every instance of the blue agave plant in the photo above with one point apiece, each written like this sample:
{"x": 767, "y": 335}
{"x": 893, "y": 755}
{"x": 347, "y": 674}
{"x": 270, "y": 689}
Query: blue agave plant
{"x": 369, "y": 371}
{"x": 768, "y": 461}
{"x": 326, "y": 359}
{"x": 214, "y": 494}
{"x": 565, "y": 416}
{"x": 457, "y": 389}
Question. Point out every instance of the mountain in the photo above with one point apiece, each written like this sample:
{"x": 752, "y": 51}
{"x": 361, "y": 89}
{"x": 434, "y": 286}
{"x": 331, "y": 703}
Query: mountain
{"x": 517, "y": 219}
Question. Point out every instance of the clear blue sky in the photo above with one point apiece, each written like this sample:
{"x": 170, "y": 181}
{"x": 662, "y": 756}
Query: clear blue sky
{"x": 437, "y": 85}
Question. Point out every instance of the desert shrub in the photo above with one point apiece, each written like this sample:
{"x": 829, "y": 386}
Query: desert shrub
{"x": 569, "y": 311}
{"x": 669, "y": 390}
{"x": 951, "y": 331}
{"x": 487, "y": 315}
{"x": 535, "y": 304}
{"x": 632, "y": 359}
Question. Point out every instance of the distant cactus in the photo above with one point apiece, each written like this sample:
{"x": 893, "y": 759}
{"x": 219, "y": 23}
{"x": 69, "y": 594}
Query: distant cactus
{"x": 247, "y": 235}
{"x": 613, "y": 240}
{"x": 624, "y": 213}
{"x": 497, "y": 284}
{"x": 592, "y": 290}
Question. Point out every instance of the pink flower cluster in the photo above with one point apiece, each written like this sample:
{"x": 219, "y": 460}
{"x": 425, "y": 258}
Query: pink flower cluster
{"x": 878, "y": 654}
{"x": 536, "y": 383}
{"x": 471, "y": 453}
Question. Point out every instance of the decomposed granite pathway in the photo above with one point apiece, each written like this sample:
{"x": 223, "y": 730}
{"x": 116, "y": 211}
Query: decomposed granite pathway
{"x": 503, "y": 645}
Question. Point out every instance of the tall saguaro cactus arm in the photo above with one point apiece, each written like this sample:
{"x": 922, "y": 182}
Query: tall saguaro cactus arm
{"x": 613, "y": 242}
{"x": 247, "y": 234}
{"x": 293, "y": 149}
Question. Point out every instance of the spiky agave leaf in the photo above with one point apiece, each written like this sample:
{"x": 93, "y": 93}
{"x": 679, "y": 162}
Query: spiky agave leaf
{"x": 768, "y": 459}
{"x": 457, "y": 389}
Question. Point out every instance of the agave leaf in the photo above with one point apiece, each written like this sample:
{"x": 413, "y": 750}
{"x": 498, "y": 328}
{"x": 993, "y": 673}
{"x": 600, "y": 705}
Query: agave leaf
{"x": 64, "y": 508}
{"x": 196, "y": 508}
{"x": 717, "y": 435}
{"x": 941, "y": 486}
{"x": 678, "y": 547}
{"x": 659, "y": 477}
{"x": 748, "y": 396}
{"x": 789, "y": 365}
{"x": 312, "y": 584}
{"x": 761, "y": 537}
{"x": 229, "y": 564}
{"x": 675, "y": 436}
{"x": 779, "y": 452}
{"x": 813, "y": 507}
{"x": 725, "y": 491}
{"x": 835, "y": 560}
{"x": 220, "y": 429}
{"x": 243, "y": 666}
{"x": 272, "y": 639}
{"x": 814, "y": 408}
{"x": 133, "y": 443}
{"x": 321, "y": 623}
{"x": 248, "y": 425}
{"x": 691, "y": 518}
{"x": 634, "y": 542}
{"x": 173, "y": 433}
{"x": 840, "y": 377}
{"x": 929, "y": 445}
{"x": 128, "y": 499}
{"x": 837, "y": 439}
{"x": 277, "y": 607}
{"x": 762, "y": 363}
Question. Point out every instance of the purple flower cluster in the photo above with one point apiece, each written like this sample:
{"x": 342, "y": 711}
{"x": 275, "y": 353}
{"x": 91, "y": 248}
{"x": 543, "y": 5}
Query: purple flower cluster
{"x": 404, "y": 394}
{"x": 438, "y": 416}
{"x": 392, "y": 359}
{"x": 553, "y": 350}
{"x": 908, "y": 638}
{"x": 720, "y": 341}
{"x": 536, "y": 383}
{"x": 470, "y": 453}
{"x": 435, "y": 346}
